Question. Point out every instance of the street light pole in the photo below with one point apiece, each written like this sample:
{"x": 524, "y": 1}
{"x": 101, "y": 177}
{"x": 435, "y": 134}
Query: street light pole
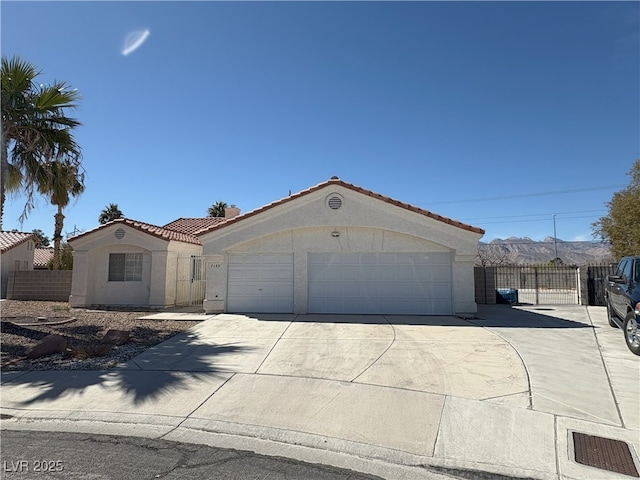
{"x": 555, "y": 239}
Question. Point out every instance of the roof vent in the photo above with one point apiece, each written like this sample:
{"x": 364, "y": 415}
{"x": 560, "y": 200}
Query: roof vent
{"x": 334, "y": 201}
{"x": 119, "y": 234}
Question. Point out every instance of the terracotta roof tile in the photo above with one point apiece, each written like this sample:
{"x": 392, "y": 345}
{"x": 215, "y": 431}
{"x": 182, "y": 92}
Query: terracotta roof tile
{"x": 154, "y": 230}
{"x": 9, "y": 240}
{"x": 42, "y": 256}
{"x": 193, "y": 225}
{"x": 337, "y": 181}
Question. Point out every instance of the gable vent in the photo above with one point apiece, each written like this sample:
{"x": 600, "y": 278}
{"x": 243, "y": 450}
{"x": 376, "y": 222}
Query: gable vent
{"x": 334, "y": 202}
{"x": 119, "y": 234}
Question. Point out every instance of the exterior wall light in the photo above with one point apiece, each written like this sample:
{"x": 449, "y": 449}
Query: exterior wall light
{"x": 335, "y": 234}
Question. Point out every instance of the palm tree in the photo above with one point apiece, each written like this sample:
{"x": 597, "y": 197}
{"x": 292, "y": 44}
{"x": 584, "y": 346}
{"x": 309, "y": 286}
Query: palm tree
{"x": 57, "y": 180}
{"x": 110, "y": 212}
{"x": 35, "y": 129}
{"x": 217, "y": 209}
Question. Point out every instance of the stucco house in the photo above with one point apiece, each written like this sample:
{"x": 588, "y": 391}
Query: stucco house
{"x": 332, "y": 248}
{"x": 338, "y": 248}
{"x": 130, "y": 263}
{"x": 16, "y": 253}
{"x": 41, "y": 258}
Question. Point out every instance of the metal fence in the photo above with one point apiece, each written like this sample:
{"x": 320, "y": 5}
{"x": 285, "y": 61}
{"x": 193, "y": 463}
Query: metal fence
{"x": 596, "y": 276}
{"x": 542, "y": 284}
{"x": 190, "y": 280}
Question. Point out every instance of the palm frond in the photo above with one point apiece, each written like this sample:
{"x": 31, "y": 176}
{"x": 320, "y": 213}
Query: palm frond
{"x": 39, "y": 150}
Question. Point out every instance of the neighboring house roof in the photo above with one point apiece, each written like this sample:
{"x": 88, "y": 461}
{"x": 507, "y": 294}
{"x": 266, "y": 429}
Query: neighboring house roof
{"x": 154, "y": 230}
{"x": 42, "y": 256}
{"x": 9, "y": 240}
{"x": 193, "y": 225}
{"x": 337, "y": 181}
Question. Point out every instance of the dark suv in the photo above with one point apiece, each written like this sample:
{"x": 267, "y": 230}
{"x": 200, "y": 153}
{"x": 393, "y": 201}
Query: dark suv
{"x": 622, "y": 297}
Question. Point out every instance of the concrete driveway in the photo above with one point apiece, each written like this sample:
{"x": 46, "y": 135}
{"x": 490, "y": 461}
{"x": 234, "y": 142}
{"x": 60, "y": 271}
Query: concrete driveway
{"x": 444, "y": 355}
{"x": 378, "y": 394}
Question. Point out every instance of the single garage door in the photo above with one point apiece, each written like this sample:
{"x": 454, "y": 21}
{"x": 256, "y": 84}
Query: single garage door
{"x": 403, "y": 283}
{"x": 260, "y": 283}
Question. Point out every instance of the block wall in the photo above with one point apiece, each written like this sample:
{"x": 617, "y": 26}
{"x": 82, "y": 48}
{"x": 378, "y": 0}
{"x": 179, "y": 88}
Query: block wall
{"x": 52, "y": 285}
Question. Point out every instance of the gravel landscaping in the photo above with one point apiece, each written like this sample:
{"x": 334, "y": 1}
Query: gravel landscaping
{"x": 25, "y": 323}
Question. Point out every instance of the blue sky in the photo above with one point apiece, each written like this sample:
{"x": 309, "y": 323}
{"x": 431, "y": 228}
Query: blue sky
{"x": 476, "y": 111}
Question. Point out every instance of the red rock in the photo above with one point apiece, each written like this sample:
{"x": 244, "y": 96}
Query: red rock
{"x": 48, "y": 346}
{"x": 116, "y": 337}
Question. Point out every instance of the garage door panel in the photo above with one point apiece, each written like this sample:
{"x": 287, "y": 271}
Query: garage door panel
{"x": 405, "y": 275}
{"x": 440, "y": 291}
{"x": 334, "y": 290}
{"x": 409, "y": 283}
{"x": 342, "y": 274}
{"x": 277, "y": 275}
{"x": 260, "y": 283}
{"x": 369, "y": 274}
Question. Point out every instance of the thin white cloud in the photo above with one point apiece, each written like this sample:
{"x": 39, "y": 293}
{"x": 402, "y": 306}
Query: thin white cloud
{"x": 584, "y": 237}
{"x": 134, "y": 40}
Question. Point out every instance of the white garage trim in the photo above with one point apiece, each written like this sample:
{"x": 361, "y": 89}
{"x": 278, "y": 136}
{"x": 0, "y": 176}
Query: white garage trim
{"x": 260, "y": 283}
{"x": 401, "y": 283}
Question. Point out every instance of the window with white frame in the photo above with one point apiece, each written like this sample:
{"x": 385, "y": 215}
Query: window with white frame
{"x": 125, "y": 267}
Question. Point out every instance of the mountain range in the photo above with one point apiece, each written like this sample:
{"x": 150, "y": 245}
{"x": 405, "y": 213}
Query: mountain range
{"x": 522, "y": 251}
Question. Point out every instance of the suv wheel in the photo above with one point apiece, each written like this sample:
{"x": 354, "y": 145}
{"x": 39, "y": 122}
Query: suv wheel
{"x": 610, "y": 314}
{"x": 631, "y": 333}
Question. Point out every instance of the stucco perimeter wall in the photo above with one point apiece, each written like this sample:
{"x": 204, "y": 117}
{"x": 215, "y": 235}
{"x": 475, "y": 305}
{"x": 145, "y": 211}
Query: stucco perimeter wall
{"x": 91, "y": 286}
{"x": 22, "y": 253}
{"x": 362, "y": 224}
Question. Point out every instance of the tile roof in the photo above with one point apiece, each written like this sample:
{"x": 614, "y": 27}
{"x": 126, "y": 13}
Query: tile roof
{"x": 154, "y": 230}
{"x": 42, "y": 256}
{"x": 193, "y": 225}
{"x": 8, "y": 240}
{"x": 337, "y": 181}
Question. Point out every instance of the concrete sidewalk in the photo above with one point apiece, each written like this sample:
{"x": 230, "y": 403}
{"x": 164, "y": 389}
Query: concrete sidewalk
{"x": 397, "y": 396}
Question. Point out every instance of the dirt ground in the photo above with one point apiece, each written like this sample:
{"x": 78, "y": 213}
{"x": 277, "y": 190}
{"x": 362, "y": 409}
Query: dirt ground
{"x": 24, "y": 323}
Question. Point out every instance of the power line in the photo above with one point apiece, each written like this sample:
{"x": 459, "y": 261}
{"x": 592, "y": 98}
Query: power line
{"x": 537, "y": 219}
{"x": 523, "y": 195}
{"x": 600, "y": 211}
{"x": 542, "y": 243}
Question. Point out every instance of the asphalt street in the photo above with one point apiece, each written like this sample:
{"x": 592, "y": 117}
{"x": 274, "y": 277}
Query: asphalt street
{"x": 38, "y": 455}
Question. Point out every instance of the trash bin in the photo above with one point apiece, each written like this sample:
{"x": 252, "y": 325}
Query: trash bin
{"x": 507, "y": 295}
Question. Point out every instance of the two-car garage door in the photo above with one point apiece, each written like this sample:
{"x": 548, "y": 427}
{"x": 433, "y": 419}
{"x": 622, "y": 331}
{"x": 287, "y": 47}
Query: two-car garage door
{"x": 403, "y": 283}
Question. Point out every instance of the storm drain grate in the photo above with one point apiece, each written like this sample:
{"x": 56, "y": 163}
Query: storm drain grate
{"x": 604, "y": 453}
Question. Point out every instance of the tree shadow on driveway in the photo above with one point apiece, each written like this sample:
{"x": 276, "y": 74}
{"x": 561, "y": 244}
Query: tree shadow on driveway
{"x": 182, "y": 365}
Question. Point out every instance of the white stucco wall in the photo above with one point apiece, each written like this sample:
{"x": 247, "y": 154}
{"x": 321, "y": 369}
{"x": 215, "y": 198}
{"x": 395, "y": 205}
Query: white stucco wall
{"x": 100, "y": 291}
{"x": 21, "y": 253}
{"x": 91, "y": 285}
{"x": 364, "y": 224}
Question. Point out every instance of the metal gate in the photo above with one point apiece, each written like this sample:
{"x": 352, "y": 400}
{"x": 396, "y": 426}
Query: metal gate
{"x": 190, "y": 280}
{"x": 552, "y": 284}
{"x": 541, "y": 284}
{"x": 596, "y": 276}
{"x": 534, "y": 285}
